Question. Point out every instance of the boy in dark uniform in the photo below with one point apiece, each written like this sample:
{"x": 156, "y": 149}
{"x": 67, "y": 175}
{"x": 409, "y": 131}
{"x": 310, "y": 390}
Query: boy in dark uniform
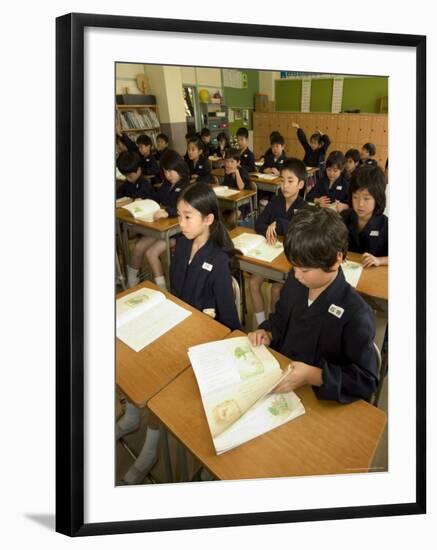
{"x": 135, "y": 186}
{"x": 247, "y": 158}
{"x": 161, "y": 146}
{"x": 205, "y": 136}
{"x": 320, "y": 322}
{"x": 368, "y": 152}
{"x": 273, "y": 164}
{"x": 236, "y": 177}
{"x": 331, "y": 190}
{"x": 316, "y": 149}
{"x": 351, "y": 162}
{"x": 273, "y": 222}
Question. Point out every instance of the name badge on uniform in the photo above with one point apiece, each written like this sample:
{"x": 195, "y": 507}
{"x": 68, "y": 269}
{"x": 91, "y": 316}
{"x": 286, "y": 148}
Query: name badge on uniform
{"x": 339, "y": 187}
{"x": 207, "y": 266}
{"x": 177, "y": 189}
{"x": 337, "y": 311}
{"x": 200, "y": 167}
{"x": 374, "y": 233}
{"x": 281, "y": 161}
{"x": 147, "y": 160}
{"x": 245, "y": 156}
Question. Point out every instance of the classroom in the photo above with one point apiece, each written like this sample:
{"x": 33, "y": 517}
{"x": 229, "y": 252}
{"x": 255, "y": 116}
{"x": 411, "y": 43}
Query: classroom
{"x": 251, "y": 273}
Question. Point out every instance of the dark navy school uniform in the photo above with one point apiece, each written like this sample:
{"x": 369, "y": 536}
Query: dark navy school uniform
{"x": 247, "y": 160}
{"x": 272, "y": 162}
{"x": 150, "y": 167}
{"x": 221, "y": 153}
{"x": 158, "y": 154}
{"x": 206, "y": 282}
{"x": 275, "y": 211}
{"x": 313, "y": 157}
{"x": 368, "y": 162}
{"x": 373, "y": 238}
{"x": 231, "y": 180}
{"x": 141, "y": 189}
{"x": 208, "y": 149}
{"x": 334, "y": 333}
{"x": 131, "y": 145}
{"x": 167, "y": 196}
{"x": 339, "y": 190}
{"x": 268, "y": 155}
{"x": 201, "y": 168}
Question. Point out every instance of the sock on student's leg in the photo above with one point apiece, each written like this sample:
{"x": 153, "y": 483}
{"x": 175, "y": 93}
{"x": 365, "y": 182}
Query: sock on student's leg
{"x": 160, "y": 281}
{"x": 128, "y": 422}
{"x": 146, "y": 459}
{"x": 132, "y": 276}
{"x": 260, "y": 317}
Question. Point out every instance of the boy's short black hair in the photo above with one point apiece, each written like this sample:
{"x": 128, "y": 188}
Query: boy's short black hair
{"x": 353, "y": 154}
{"x": 336, "y": 158}
{"x": 144, "y": 140}
{"x": 243, "y": 132}
{"x": 315, "y": 236}
{"x": 189, "y": 135}
{"x": 164, "y": 137}
{"x": 205, "y": 132}
{"x": 233, "y": 153}
{"x": 297, "y": 167}
{"x": 197, "y": 142}
{"x": 316, "y": 137}
{"x": 371, "y": 148}
{"x": 128, "y": 162}
{"x": 277, "y": 138}
{"x": 273, "y": 134}
{"x": 371, "y": 178}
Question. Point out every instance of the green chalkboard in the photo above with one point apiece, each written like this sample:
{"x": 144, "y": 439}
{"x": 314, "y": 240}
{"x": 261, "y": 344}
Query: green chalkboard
{"x": 243, "y": 98}
{"x": 364, "y": 93}
{"x": 321, "y": 95}
{"x": 288, "y": 94}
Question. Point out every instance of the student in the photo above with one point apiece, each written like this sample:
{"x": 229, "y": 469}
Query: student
{"x": 200, "y": 269}
{"x": 351, "y": 162}
{"x": 161, "y": 146}
{"x": 331, "y": 190}
{"x": 316, "y": 149}
{"x": 236, "y": 177}
{"x": 223, "y": 145}
{"x": 366, "y": 223}
{"x": 176, "y": 179}
{"x": 150, "y": 166}
{"x": 123, "y": 142}
{"x": 247, "y": 158}
{"x": 205, "y": 136}
{"x": 268, "y": 155}
{"x": 198, "y": 163}
{"x": 200, "y": 275}
{"x": 320, "y": 322}
{"x": 368, "y": 152}
{"x": 272, "y": 164}
{"x": 188, "y": 136}
{"x": 136, "y": 185}
{"x": 273, "y": 222}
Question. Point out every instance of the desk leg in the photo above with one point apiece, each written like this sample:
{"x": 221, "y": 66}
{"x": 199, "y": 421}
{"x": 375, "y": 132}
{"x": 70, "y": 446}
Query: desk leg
{"x": 166, "y": 454}
{"x": 167, "y": 244}
{"x": 124, "y": 241}
{"x": 182, "y": 460}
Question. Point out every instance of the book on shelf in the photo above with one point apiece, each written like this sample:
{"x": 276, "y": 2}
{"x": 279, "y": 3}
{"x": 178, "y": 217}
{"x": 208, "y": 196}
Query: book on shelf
{"x": 143, "y": 209}
{"x": 224, "y": 191}
{"x": 255, "y": 246}
{"x": 144, "y": 315}
{"x": 235, "y": 381}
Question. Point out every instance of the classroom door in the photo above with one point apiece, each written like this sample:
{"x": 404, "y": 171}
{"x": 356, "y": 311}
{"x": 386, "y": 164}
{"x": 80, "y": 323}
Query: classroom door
{"x": 192, "y": 110}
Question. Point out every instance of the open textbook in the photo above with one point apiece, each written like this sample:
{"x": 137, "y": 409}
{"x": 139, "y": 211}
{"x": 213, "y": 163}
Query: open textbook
{"x": 144, "y": 315}
{"x": 267, "y": 177}
{"x": 143, "y": 209}
{"x": 352, "y": 272}
{"x": 234, "y": 380}
{"x": 224, "y": 191}
{"x": 255, "y": 246}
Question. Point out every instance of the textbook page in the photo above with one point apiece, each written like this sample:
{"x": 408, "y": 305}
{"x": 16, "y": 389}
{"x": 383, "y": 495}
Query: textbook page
{"x": 352, "y": 272}
{"x": 232, "y": 376}
{"x": 255, "y": 246}
{"x": 224, "y": 191}
{"x": 149, "y": 322}
{"x": 143, "y": 209}
{"x": 269, "y": 413}
{"x": 134, "y": 304}
{"x": 267, "y": 177}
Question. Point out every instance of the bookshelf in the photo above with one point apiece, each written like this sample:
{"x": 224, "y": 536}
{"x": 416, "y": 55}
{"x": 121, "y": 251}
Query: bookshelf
{"x": 139, "y": 119}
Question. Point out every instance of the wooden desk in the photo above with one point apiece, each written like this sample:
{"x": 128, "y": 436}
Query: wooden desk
{"x": 246, "y": 196}
{"x": 162, "y": 229}
{"x": 373, "y": 281}
{"x": 329, "y": 439}
{"x": 141, "y": 374}
{"x": 271, "y": 186}
{"x": 311, "y": 170}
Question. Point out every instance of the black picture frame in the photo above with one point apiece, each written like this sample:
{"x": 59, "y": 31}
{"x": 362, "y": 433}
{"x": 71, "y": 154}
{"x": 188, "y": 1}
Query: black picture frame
{"x": 70, "y": 272}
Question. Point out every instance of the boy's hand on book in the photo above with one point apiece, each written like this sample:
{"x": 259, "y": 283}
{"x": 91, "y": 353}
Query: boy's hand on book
{"x": 300, "y": 374}
{"x": 160, "y": 214}
{"x": 260, "y": 337}
{"x": 340, "y": 206}
{"x": 271, "y": 235}
{"x": 323, "y": 201}
{"x": 369, "y": 260}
